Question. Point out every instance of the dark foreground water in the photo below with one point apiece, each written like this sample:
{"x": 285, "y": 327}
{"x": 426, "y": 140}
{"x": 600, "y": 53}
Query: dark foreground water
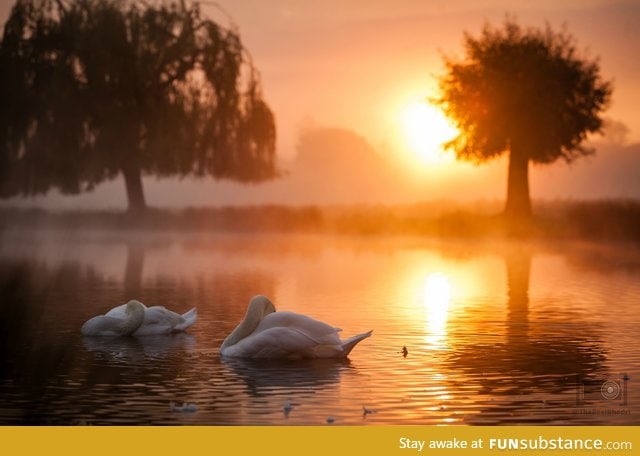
{"x": 496, "y": 333}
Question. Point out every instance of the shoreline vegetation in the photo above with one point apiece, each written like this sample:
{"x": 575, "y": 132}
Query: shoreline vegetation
{"x": 603, "y": 220}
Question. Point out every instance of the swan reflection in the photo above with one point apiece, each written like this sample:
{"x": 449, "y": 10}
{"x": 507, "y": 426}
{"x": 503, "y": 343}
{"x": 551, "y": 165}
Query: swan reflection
{"x": 139, "y": 348}
{"x": 263, "y": 375}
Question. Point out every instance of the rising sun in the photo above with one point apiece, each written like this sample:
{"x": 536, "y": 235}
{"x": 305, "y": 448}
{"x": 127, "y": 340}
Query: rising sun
{"x": 427, "y": 129}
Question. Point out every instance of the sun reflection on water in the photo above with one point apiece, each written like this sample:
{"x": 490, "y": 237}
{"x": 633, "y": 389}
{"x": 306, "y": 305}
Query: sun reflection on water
{"x": 437, "y": 294}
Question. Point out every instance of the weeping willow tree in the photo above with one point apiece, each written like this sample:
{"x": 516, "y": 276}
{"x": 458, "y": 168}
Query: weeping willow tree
{"x": 526, "y": 93}
{"x": 94, "y": 89}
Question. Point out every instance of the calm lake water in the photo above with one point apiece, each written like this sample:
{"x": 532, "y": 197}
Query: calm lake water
{"x": 496, "y": 332}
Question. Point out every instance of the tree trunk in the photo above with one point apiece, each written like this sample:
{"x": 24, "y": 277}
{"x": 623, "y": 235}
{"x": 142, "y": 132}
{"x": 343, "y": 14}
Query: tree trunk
{"x": 518, "y": 199}
{"x": 133, "y": 271}
{"x": 135, "y": 192}
{"x": 518, "y": 262}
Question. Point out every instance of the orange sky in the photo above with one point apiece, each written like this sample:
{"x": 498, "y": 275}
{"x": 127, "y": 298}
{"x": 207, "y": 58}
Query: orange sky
{"x": 357, "y": 64}
{"x": 354, "y": 63}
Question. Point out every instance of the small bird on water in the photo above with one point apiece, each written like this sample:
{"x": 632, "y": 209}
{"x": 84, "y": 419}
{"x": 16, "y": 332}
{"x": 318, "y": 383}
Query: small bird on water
{"x": 404, "y": 351}
{"x": 185, "y": 407}
{"x": 366, "y": 411}
{"x": 287, "y": 408}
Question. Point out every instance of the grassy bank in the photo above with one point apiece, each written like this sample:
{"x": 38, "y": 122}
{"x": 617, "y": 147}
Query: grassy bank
{"x": 599, "y": 220}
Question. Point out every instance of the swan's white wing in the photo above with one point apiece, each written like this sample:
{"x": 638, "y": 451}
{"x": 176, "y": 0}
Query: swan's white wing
{"x": 288, "y": 335}
{"x": 188, "y": 319}
{"x": 158, "y": 320}
{"x": 281, "y": 342}
{"x": 317, "y": 331}
{"x": 161, "y": 315}
{"x": 118, "y": 312}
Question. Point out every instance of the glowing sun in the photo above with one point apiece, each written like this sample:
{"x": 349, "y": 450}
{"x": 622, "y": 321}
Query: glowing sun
{"x": 427, "y": 129}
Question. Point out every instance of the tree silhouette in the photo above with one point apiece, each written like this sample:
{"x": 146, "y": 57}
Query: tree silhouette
{"x": 525, "y": 92}
{"x": 92, "y": 89}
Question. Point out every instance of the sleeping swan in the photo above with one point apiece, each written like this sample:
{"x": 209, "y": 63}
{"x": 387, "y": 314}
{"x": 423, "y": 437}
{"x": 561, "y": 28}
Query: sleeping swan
{"x": 136, "y": 319}
{"x": 265, "y": 333}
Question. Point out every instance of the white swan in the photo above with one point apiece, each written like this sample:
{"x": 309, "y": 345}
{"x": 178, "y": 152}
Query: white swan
{"x": 265, "y": 333}
{"x": 136, "y": 319}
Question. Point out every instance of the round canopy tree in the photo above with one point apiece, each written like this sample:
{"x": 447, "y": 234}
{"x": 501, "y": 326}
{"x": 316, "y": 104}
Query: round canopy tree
{"x": 525, "y": 92}
{"x": 93, "y": 89}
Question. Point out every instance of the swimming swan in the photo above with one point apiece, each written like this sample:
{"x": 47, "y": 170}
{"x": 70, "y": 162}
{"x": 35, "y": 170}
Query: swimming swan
{"x": 265, "y": 333}
{"x": 136, "y": 319}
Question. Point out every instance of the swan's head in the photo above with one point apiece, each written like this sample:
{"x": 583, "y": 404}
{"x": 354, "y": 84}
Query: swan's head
{"x": 135, "y": 308}
{"x": 135, "y": 313}
{"x": 134, "y": 318}
{"x": 260, "y": 305}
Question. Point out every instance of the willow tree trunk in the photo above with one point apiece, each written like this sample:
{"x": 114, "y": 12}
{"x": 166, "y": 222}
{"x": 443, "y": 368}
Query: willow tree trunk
{"x": 135, "y": 192}
{"x": 518, "y": 199}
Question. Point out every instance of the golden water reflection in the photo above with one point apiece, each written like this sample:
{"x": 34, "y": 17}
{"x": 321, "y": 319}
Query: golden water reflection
{"x": 437, "y": 294}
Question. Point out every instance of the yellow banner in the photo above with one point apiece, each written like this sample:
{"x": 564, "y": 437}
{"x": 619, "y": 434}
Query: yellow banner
{"x": 329, "y": 440}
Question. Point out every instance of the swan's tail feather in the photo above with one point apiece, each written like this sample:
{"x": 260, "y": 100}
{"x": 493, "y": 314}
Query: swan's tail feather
{"x": 348, "y": 344}
{"x": 189, "y": 319}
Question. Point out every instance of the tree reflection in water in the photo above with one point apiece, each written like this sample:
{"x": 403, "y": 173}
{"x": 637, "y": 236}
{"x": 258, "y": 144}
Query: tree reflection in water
{"x": 538, "y": 359}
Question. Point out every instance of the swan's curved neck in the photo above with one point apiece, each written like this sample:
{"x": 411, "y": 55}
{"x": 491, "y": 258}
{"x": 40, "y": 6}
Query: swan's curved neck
{"x": 246, "y": 327}
{"x": 259, "y": 306}
{"x": 135, "y": 318}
